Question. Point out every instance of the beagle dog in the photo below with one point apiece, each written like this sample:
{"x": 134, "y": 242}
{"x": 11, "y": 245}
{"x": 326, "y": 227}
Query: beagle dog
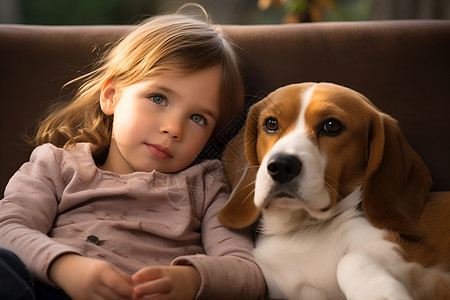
{"x": 345, "y": 202}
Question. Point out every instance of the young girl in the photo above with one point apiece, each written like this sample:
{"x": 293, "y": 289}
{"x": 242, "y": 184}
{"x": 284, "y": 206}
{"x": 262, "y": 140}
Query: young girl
{"x": 110, "y": 205}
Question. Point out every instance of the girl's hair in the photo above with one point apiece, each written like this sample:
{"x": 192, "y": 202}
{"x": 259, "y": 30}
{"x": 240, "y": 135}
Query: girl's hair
{"x": 161, "y": 44}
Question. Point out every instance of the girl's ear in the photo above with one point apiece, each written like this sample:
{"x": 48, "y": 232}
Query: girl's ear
{"x": 107, "y": 98}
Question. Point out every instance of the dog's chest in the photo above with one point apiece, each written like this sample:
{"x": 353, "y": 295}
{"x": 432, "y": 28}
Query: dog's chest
{"x": 303, "y": 265}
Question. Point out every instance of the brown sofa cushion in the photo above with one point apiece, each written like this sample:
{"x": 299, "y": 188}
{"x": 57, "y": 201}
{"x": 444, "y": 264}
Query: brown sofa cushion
{"x": 402, "y": 66}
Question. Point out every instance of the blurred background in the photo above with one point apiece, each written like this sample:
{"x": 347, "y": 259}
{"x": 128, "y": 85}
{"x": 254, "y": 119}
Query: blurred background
{"x": 95, "y": 12}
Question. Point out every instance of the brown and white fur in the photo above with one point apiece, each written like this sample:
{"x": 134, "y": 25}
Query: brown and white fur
{"x": 343, "y": 197}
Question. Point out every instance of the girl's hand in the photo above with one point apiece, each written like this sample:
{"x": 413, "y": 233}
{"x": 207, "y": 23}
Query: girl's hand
{"x": 174, "y": 282}
{"x": 85, "y": 278}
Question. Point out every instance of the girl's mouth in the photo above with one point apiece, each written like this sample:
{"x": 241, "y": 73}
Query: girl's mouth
{"x": 159, "y": 151}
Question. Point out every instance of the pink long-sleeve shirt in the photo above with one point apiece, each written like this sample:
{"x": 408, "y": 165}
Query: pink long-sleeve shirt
{"x": 61, "y": 202}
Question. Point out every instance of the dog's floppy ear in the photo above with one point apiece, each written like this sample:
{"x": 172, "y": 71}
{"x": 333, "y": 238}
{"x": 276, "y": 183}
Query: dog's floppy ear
{"x": 251, "y": 133}
{"x": 240, "y": 211}
{"x": 396, "y": 182}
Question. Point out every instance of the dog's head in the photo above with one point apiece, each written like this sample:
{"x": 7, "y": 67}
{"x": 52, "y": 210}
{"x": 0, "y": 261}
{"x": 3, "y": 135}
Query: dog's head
{"x": 314, "y": 145}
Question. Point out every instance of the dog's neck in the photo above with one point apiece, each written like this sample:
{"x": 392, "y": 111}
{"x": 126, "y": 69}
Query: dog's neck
{"x": 282, "y": 220}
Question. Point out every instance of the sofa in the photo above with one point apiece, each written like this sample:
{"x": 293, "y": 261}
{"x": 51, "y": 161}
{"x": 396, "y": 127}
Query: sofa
{"x": 402, "y": 66}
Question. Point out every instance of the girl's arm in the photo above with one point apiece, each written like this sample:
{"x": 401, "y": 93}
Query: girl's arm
{"x": 228, "y": 270}
{"x": 27, "y": 213}
{"x": 29, "y": 208}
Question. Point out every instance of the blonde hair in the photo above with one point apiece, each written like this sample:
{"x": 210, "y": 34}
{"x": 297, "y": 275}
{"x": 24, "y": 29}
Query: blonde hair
{"x": 160, "y": 44}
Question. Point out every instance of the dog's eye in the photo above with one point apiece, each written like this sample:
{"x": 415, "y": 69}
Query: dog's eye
{"x": 331, "y": 127}
{"x": 271, "y": 125}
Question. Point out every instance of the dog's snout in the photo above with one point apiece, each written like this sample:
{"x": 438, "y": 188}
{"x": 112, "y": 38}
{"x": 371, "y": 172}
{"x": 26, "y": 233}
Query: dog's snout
{"x": 283, "y": 167}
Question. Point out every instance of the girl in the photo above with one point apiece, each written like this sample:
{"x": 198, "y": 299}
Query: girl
{"x": 110, "y": 205}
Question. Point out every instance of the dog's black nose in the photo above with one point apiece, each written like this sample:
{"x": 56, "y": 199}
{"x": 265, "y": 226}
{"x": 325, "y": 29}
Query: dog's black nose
{"x": 283, "y": 167}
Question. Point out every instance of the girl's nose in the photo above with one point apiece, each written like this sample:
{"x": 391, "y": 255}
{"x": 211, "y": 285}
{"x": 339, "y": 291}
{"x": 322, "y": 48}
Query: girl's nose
{"x": 173, "y": 129}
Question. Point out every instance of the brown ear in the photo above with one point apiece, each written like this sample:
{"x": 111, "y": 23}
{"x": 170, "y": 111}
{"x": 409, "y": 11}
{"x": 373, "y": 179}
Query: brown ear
{"x": 396, "y": 182}
{"x": 240, "y": 211}
{"x": 251, "y": 133}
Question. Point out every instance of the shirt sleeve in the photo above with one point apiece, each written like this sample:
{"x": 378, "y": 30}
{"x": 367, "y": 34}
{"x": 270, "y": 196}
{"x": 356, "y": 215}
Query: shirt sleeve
{"x": 29, "y": 208}
{"x": 228, "y": 270}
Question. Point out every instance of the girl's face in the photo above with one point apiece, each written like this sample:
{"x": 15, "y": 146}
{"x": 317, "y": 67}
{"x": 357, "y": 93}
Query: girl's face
{"x": 161, "y": 123}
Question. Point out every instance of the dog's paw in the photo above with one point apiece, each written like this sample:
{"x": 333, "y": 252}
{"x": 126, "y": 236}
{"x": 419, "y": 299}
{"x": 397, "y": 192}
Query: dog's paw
{"x": 362, "y": 279}
{"x": 377, "y": 291}
{"x": 371, "y": 293}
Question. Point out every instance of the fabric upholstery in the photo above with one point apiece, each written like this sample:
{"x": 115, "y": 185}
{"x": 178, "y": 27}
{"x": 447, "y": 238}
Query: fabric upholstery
{"x": 401, "y": 66}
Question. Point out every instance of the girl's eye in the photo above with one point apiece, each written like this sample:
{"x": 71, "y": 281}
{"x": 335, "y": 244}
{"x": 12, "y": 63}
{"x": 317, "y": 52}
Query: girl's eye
{"x": 199, "y": 119}
{"x": 158, "y": 99}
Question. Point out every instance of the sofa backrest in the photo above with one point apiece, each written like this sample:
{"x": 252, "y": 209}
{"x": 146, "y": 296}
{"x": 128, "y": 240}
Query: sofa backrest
{"x": 401, "y": 66}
